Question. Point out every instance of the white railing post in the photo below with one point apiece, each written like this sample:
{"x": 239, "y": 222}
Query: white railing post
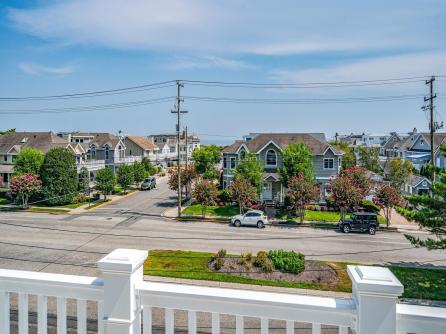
{"x": 121, "y": 270}
{"x": 375, "y": 291}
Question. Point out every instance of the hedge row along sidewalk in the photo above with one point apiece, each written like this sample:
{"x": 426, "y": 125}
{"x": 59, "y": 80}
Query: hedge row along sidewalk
{"x": 419, "y": 283}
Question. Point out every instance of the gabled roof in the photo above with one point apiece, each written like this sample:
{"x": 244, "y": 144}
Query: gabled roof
{"x": 42, "y": 141}
{"x": 415, "y": 180}
{"x": 103, "y": 138}
{"x": 315, "y": 142}
{"x": 143, "y": 142}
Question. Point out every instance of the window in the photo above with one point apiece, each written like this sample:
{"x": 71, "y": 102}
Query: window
{"x": 232, "y": 162}
{"x": 107, "y": 153}
{"x": 328, "y": 163}
{"x": 422, "y": 142}
{"x": 242, "y": 155}
{"x": 225, "y": 184}
{"x": 93, "y": 151}
{"x": 225, "y": 162}
{"x": 130, "y": 152}
{"x": 271, "y": 158}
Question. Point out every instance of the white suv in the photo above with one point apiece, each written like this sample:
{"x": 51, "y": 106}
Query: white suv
{"x": 252, "y": 218}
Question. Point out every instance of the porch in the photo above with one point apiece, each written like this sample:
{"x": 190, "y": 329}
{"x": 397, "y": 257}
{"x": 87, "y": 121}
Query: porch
{"x": 124, "y": 302}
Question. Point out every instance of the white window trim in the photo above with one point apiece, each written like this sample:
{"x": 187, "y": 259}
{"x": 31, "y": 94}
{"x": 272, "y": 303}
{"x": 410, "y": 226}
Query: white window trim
{"x": 231, "y": 159}
{"x": 332, "y": 159}
{"x": 266, "y": 158}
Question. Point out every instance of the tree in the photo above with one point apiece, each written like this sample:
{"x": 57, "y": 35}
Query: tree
{"x": 345, "y": 194}
{"x": 251, "y": 169}
{"x": 148, "y": 167}
{"x": 358, "y": 176}
{"x": 387, "y": 197}
{"x": 302, "y": 190}
{"x": 205, "y": 192}
{"x": 399, "y": 172}
{"x": 139, "y": 173}
{"x": 125, "y": 176}
{"x": 4, "y": 132}
{"x": 369, "y": 158}
{"x": 349, "y": 157}
{"x": 25, "y": 185}
{"x": 205, "y": 159}
{"x": 29, "y": 161}
{"x": 242, "y": 192}
{"x": 188, "y": 174}
{"x": 105, "y": 181}
{"x": 430, "y": 213}
{"x": 296, "y": 158}
{"x": 59, "y": 176}
{"x": 84, "y": 181}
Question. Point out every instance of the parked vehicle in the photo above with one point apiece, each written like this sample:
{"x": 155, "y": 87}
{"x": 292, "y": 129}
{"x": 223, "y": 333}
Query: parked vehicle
{"x": 149, "y": 183}
{"x": 360, "y": 222}
{"x": 250, "y": 218}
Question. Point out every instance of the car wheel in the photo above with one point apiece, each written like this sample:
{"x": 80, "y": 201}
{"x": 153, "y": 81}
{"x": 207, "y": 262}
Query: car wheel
{"x": 260, "y": 224}
{"x": 372, "y": 230}
{"x": 237, "y": 223}
{"x": 346, "y": 229}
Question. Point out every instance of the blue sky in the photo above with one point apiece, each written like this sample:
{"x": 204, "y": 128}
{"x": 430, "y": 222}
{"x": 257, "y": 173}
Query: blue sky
{"x": 56, "y": 47}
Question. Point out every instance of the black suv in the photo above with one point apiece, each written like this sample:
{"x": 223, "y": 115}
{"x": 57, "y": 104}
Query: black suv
{"x": 361, "y": 222}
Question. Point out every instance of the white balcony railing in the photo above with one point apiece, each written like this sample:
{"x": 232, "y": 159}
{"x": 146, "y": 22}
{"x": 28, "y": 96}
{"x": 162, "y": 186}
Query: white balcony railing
{"x": 91, "y": 165}
{"x": 127, "y": 160}
{"x": 123, "y": 299}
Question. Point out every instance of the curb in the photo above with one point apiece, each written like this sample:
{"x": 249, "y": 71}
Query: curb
{"x": 113, "y": 200}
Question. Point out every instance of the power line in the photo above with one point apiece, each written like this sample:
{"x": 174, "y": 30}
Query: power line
{"x": 133, "y": 89}
{"x": 87, "y": 108}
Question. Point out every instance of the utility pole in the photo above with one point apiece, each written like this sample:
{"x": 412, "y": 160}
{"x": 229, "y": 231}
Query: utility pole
{"x": 178, "y": 111}
{"x": 433, "y": 126}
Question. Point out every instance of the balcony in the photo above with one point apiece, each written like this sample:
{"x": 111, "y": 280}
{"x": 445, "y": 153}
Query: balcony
{"x": 127, "y": 160}
{"x": 126, "y": 303}
{"x": 91, "y": 165}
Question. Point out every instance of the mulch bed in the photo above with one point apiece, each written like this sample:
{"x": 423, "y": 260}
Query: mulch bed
{"x": 315, "y": 272}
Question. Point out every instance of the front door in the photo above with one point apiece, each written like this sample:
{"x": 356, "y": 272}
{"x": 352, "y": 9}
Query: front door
{"x": 267, "y": 192}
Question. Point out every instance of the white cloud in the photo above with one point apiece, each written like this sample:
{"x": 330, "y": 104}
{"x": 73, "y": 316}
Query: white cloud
{"x": 407, "y": 65}
{"x": 37, "y": 69}
{"x": 260, "y": 27}
{"x": 206, "y": 62}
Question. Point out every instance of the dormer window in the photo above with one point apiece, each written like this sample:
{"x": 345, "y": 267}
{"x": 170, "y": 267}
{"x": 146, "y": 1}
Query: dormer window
{"x": 93, "y": 151}
{"x": 242, "y": 155}
{"x": 271, "y": 158}
{"x": 107, "y": 153}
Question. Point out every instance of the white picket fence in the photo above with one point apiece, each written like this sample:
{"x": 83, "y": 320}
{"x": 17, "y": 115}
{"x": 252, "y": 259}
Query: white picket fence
{"x": 125, "y": 302}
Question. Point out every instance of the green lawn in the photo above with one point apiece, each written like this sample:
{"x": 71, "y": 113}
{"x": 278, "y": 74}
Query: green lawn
{"x": 222, "y": 211}
{"x": 419, "y": 283}
{"x": 323, "y": 217}
{"x": 4, "y": 201}
{"x": 47, "y": 210}
{"x": 193, "y": 265}
{"x": 422, "y": 283}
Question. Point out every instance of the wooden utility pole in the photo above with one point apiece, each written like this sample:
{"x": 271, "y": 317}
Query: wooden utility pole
{"x": 178, "y": 111}
{"x": 432, "y": 124}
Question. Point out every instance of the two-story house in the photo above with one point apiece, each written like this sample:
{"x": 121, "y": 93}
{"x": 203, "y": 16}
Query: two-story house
{"x": 140, "y": 146}
{"x": 267, "y": 147}
{"x": 167, "y": 144}
{"x": 12, "y": 143}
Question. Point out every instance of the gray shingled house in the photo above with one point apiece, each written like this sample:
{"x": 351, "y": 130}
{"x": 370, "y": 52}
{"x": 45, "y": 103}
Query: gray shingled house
{"x": 268, "y": 148}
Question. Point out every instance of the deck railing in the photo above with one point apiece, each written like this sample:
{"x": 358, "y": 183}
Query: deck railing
{"x": 125, "y": 303}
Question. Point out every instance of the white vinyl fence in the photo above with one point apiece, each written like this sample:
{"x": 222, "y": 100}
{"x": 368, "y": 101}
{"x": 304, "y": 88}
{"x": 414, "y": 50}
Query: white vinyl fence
{"x": 126, "y": 302}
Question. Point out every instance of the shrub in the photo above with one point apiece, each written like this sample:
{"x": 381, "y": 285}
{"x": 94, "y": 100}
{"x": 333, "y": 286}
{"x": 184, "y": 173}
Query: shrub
{"x": 311, "y": 207}
{"x": 79, "y": 198}
{"x": 221, "y": 253}
{"x": 287, "y": 260}
{"x": 263, "y": 262}
{"x": 224, "y": 195}
{"x": 219, "y": 263}
{"x": 369, "y": 206}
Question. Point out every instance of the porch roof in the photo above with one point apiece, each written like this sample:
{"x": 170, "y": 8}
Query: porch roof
{"x": 271, "y": 177}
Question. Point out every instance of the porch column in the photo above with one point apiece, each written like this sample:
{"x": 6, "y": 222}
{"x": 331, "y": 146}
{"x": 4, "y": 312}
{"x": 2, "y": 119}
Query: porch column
{"x": 121, "y": 270}
{"x": 375, "y": 291}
